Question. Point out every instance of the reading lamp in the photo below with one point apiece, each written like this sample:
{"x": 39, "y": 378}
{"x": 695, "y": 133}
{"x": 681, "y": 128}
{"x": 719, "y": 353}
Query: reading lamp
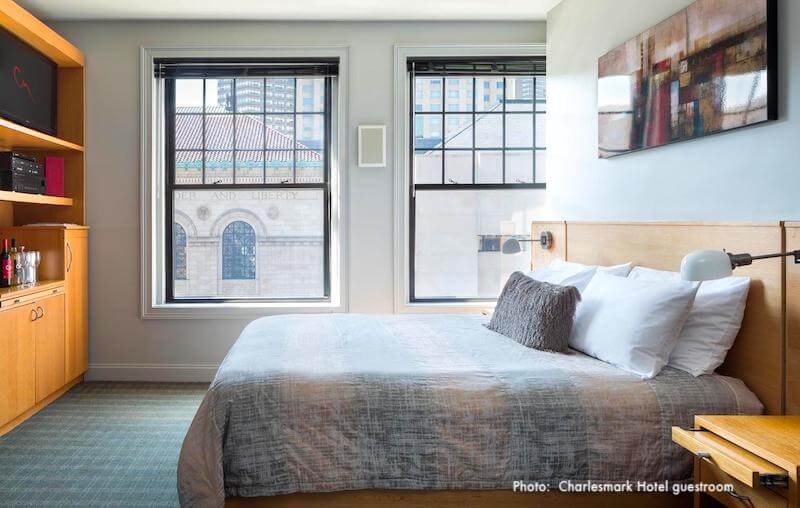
{"x": 512, "y": 245}
{"x": 703, "y": 265}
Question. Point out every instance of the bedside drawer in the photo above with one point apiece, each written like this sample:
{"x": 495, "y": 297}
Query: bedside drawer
{"x": 749, "y": 469}
{"x": 743, "y": 496}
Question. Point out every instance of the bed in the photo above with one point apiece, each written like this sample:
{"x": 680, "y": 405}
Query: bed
{"x": 439, "y": 408}
{"x": 317, "y": 403}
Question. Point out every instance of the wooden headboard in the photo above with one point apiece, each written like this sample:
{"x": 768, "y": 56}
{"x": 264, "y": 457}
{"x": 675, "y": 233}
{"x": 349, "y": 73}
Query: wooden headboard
{"x": 759, "y": 356}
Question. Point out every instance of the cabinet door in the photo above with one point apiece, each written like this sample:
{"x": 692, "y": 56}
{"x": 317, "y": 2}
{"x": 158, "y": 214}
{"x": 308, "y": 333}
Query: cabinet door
{"x": 49, "y": 330}
{"x": 17, "y": 378}
{"x": 76, "y": 269}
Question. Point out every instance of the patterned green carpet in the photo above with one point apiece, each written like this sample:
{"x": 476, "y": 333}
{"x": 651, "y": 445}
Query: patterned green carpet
{"x": 101, "y": 444}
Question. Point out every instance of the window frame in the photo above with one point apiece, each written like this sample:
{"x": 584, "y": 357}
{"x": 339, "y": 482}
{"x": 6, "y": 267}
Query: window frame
{"x": 154, "y": 304}
{"x": 404, "y": 155}
{"x": 170, "y": 185}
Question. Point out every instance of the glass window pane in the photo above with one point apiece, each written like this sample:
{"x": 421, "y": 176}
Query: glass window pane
{"x": 541, "y": 88}
{"x": 489, "y": 166}
{"x": 219, "y": 132}
{"x": 249, "y": 95}
{"x": 458, "y": 166}
{"x": 188, "y": 95}
{"x": 519, "y": 166}
{"x": 428, "y": 167}
{"x": 279, "y": 95}
{"x": 519, "y": 131}
{"x": 249, "y": 132}
{"x": 489, "y": 131}
{"x": 279, "y": 166}
{"x": 250, "y": 167}
{"x": 488, "y": 94}
{"x": 541, "y": 166}
{"x": 188, "y": 167}
{"x": 219, "y": 96}
{"x": 427, "y": 131}
{"x": 188, "y": 131}
{"x": 310, "y": 131}
{"x": 275, "y": 239}
{"x": 451, "y": 260}
{"x": 310, "y": 164}
{"x": 519, "y": 93}
{"x": 428, "y": 94}
{"x": 311, "y": 94}
{"x": 279, "y": 132}
{"x": 219, "y": 167}
{"x": 458, "y": 133}
{"x": 459, "y": 94}
{"x": 541, "y": 131}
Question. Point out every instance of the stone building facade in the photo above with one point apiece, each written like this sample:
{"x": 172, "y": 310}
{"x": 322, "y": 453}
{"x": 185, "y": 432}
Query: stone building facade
{"x": 274, "y": 243}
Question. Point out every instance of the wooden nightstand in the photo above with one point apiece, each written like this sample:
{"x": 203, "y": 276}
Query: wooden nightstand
{"x": 758, "y": 455}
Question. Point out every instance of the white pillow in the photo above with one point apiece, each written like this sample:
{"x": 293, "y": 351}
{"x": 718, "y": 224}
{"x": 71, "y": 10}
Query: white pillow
{"x": 713, "y": 322}
{"x": 633, "y": 324}
{"x": 566, "y": 273}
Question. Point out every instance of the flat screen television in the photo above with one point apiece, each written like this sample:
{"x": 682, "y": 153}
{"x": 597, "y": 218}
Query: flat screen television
{"x": 27, "y": 85}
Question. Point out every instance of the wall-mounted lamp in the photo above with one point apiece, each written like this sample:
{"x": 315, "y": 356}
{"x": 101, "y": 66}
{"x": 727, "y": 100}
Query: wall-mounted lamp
{"x": 512, "y": 245}
{"x": 715, "y": 264}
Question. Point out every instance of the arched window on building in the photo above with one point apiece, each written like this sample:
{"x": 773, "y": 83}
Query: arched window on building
{"x": 239, "y": 251}
{"x": 179, "y": 252}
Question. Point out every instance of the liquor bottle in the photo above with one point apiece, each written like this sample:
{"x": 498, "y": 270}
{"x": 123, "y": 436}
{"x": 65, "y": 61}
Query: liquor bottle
{"x": 6, "y": 275}
{"x": 14, "y": 262}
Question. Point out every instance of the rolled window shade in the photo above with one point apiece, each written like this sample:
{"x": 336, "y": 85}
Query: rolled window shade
{"x": 217, "y": 69}
{"x": 507, "y": 66}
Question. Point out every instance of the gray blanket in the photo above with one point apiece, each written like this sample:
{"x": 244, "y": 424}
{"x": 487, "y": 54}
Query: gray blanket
{"x": 340, "y": 402}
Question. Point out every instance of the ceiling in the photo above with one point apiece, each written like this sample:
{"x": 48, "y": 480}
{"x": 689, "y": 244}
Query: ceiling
{"x": 333, "y": 10}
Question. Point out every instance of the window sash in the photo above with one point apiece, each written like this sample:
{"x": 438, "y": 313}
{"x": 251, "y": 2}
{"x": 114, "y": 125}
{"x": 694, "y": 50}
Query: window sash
{"x": 171, "y": 185}
{"x": 475, "y": 114}
{"x": 461, "y": 70}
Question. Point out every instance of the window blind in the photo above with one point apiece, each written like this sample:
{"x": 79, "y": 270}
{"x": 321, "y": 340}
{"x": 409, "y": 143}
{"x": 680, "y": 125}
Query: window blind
{"x": 217, "y": 69}
{"x": 530, "y": 66}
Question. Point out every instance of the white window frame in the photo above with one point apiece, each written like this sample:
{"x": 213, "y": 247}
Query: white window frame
{"x": 402, "y": 103}
{"x": 153, "y": 297}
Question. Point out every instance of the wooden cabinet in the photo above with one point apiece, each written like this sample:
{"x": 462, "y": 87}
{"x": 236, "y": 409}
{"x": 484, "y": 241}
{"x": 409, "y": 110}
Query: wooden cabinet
{"x": 76, "y": 270}
{"x": 17, "y": 362}
{"x": 49, "y": 330}
{"x": 65, "y": 256}
{"x": 756, "y": 457}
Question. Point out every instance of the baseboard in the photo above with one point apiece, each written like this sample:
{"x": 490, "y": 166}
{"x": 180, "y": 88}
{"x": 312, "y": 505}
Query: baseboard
{"x": 202, "y": 372}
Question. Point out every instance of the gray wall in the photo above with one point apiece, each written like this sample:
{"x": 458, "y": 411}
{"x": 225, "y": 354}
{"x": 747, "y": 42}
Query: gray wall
{"x": 750, "y": 174}
{"x": 174, "y": 349}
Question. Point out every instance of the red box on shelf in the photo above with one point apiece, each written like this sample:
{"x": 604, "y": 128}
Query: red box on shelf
{"x": 54, "y": 176}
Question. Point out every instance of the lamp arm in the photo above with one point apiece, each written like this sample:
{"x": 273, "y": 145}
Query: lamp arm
{"x": 747, "y": 259}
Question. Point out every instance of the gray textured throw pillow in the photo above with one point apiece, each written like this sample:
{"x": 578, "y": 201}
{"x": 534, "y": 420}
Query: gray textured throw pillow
{"x": 535, "y": 314}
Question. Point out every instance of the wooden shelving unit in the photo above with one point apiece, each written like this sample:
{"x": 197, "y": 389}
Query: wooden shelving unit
{"x": 17, "y": 209}
{"x": 44, "y": 345}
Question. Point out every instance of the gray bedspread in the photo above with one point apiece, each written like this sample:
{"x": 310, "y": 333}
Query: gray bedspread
{"x": 310, "y": 403}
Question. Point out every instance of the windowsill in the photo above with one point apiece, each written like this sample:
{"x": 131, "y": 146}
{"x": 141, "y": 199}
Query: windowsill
{"x": 237, "y": 310}
{"x": 448, "y": 307}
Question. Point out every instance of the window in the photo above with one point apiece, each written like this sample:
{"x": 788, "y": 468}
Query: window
{"x": 179, "y": 259}
{"x": 247, "y": 149}
{"x": 477, "y": 172}
{"x": 239, "y": 251}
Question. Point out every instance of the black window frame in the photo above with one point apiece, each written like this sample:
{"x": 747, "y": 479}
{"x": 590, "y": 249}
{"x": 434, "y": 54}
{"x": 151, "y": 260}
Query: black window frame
{"x": 187, "y": 68}
{"x": 443, "y": 68}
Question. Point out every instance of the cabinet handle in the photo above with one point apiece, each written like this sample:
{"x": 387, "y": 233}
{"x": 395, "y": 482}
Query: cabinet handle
{"x": 742, "y": 499}
{"x": 39, "y": 312}
{"x": 69, "y": 251}
{"x": 34, "y": 315}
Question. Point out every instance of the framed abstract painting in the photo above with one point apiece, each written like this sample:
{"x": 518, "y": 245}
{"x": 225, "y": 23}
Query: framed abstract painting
{"x": 710, "y": 68}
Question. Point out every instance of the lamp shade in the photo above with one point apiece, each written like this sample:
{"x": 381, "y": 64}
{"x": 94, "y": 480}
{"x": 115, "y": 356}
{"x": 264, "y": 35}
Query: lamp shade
{"x": 706, "y": 265}
{"x": 511, "y": 246}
